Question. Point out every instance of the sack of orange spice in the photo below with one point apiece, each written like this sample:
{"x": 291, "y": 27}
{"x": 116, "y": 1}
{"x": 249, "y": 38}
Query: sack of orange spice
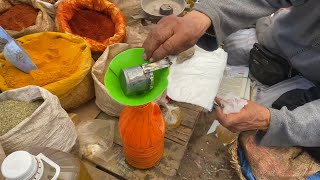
{"x": 99, "y": 22}
{"x": 23, "y": 17}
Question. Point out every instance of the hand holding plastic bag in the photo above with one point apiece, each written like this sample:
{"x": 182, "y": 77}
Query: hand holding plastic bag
{"x": 242, "y": 116}
{"x": 232, "y": 104}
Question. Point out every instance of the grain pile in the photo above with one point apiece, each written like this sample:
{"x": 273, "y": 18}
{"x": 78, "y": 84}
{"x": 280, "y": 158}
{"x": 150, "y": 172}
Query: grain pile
{"x": 13, "y": 112}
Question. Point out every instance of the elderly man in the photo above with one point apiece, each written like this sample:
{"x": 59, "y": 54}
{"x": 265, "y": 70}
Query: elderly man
{"x": 295, "y": 36}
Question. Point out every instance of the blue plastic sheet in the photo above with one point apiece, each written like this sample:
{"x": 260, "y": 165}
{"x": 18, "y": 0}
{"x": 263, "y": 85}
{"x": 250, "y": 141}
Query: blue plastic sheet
{"x": 247, "y": 173}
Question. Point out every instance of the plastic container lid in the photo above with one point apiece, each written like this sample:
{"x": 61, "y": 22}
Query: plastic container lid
{"x": 19, "y": 165}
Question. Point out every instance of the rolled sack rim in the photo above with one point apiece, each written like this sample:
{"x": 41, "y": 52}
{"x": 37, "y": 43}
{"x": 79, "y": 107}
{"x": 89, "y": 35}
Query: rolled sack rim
{"x": 105, "y": 7}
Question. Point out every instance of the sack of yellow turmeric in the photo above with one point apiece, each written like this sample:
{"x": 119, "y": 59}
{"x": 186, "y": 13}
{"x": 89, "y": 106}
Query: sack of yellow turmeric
{"x": 23, "y": 17}
{"x": 99, "y": 22}
{"x": 142, "y": 132}
{"x": 63, "y": 60}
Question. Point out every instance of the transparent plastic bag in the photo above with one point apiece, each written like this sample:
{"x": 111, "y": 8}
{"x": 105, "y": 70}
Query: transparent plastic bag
{"x": 232, "y": 104}
{"x": 95, "y": 137}
{"x": 172, "y": 116}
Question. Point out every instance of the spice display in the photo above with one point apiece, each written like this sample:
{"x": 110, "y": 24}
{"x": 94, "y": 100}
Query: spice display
{"x": 92, "y": 24}
{"x": 13, "y": 112}
{"x": 99, "y": 22}
{"x": 18, "y": 17}
{"x": 57, "y": 58}
{"x": 142, "y": 132}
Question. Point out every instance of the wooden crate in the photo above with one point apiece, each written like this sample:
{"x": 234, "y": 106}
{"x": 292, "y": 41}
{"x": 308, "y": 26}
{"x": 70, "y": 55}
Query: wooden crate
{"x": 176, "y": 141}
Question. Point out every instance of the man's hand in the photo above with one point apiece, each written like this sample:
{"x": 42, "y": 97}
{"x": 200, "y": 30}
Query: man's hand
{"x": 251, "y": 117}
{"x": 173, "y": 35}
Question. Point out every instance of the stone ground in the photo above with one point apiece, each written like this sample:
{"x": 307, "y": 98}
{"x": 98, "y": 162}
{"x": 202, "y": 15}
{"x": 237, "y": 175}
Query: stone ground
{"x": 205, "y": 158}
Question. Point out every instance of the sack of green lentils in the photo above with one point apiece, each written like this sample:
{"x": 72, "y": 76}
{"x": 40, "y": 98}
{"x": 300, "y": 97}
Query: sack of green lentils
{"x": 32, "y": 116}
{"x": 23, "y": 17}
{"x": 103, "y": 99}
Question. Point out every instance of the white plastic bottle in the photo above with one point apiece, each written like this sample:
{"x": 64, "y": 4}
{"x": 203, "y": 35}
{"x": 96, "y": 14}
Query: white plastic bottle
{"x": 48, "y": 164}
{"x": 21, "y": 165}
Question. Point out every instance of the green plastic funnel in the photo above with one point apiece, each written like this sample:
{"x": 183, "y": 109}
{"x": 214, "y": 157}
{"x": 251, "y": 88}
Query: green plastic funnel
{"x": 130, "y": 58}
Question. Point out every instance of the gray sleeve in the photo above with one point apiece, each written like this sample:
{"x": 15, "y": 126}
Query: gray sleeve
{"x": 229, "y": 16}
{"x": 299, "y": 127}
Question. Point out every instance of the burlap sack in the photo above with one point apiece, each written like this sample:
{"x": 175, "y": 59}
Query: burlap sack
{"x": 67, "y": 9}
{"x": 103, "y": 99}
{"x": 49, "y": 8}
{"x": 129, "y": 9}
{"x": 49, "y": 126}
{"x": 43, "y": 23}
{"x": 136, "y": 32}
{"x": 75, "y": 89}
{"x": 79, "y": 95}
{"x": 268, "y": 163}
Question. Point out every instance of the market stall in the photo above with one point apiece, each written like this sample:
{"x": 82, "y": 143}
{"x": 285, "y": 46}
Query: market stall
{"x": 76, "y": 92}
{"x": 52, "y": 100}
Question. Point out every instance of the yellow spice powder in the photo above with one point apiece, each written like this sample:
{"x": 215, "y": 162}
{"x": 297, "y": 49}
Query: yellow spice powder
{"x": 56, "y": 58}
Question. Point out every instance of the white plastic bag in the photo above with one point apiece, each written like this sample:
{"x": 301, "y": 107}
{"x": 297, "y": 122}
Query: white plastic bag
{"x": 196, "y": 80}
{"x": 172, "y": 116}
{"x": 49, "y": 126}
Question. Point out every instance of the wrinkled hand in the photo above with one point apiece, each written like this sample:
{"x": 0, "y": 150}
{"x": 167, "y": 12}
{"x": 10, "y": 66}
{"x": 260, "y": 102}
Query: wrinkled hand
{"x": 173, "y": 34}
{"x": 251, "y": 117}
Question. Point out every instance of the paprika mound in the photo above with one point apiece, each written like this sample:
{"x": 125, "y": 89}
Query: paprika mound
{"x": 18, "y": 17}
{"x": 92, "y": 24}
{"x": 89, "y": 18}
{"x": 142, "y": 130}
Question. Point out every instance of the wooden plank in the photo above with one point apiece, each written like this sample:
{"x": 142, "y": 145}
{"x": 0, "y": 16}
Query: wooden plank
{"x": 183, "y": 133}
{"x": 87, "y": 111}
{"x": 117, "y": 138}
{"x": 97, "y": 174}
{"x": 180, "y": 135}
{"x": 114, "y": 161}
{"x": 74, "y": 118}
{"x": 188, "y": 106}
{"x": 189, "y": 117}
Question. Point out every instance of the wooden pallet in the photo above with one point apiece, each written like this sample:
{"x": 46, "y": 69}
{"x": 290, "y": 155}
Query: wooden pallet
{"x": 176, "y": 141}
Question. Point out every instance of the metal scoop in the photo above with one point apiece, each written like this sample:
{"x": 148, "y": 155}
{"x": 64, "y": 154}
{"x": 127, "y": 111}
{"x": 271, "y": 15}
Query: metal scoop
{"x": 14, "y": 53}
{"x": 139, "y": 79}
